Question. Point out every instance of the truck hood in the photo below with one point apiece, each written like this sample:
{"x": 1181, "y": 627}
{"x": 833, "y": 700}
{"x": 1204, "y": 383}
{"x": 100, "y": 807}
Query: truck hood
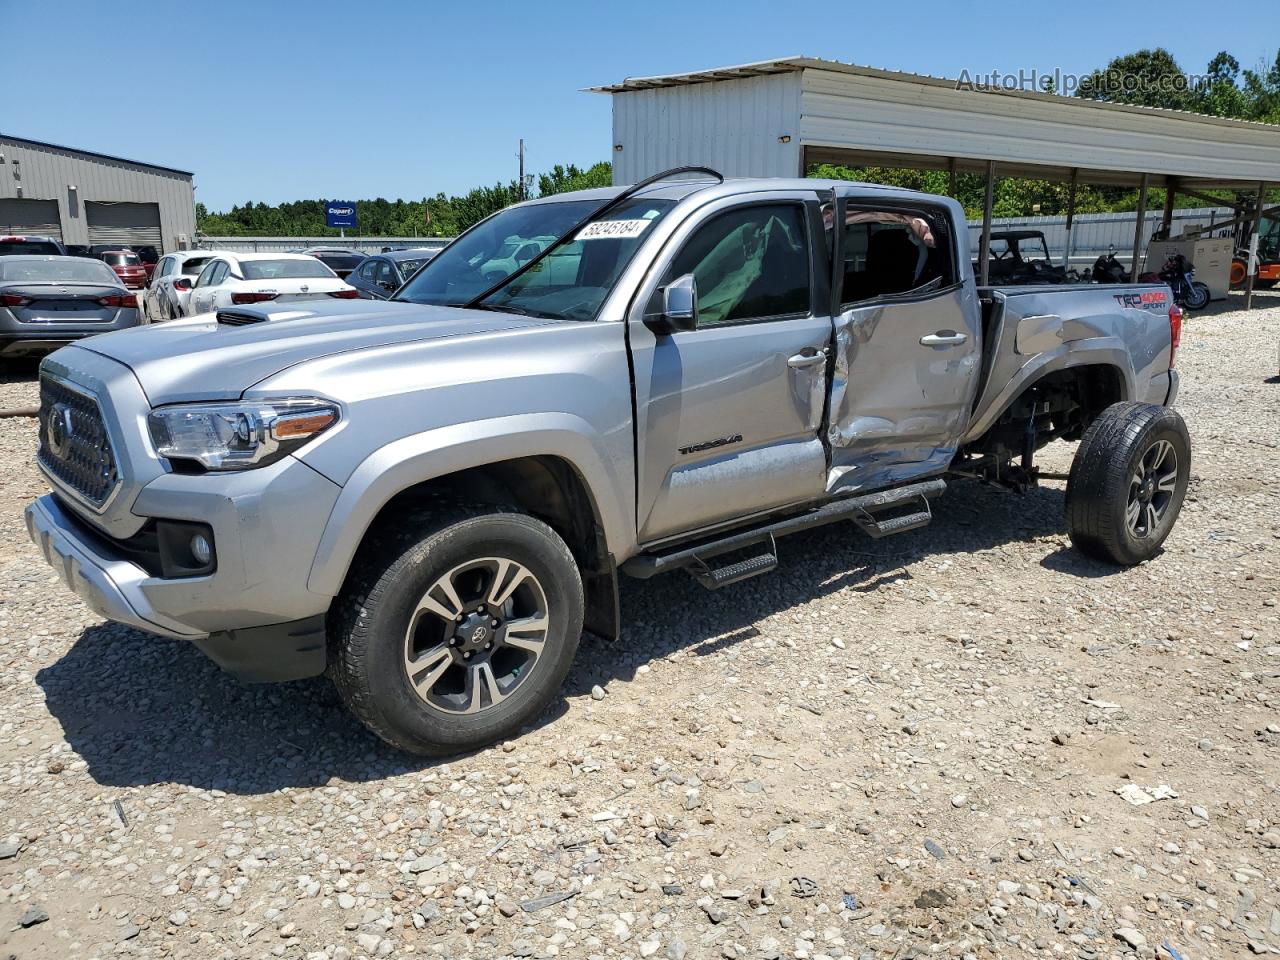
{"x": 200, "y": 358}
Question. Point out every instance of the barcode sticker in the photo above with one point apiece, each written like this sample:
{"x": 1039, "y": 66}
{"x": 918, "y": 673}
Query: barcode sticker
{"x": 613, "y": 229}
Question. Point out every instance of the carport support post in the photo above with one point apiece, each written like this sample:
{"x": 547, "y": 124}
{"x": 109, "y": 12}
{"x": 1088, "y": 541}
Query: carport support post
{"x": 1137, "y": 231}
{"x": 1170, "y": 194}
{"x": 1250, "y": 262}
{"x": 951, "y": 176}
{"x": 1071, "y": 216}
{"x": 984, "y": 247}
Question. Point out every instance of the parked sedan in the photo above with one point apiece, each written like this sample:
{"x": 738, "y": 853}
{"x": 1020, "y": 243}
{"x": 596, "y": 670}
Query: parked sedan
{"x": 233, "y": 279}
{"x": 46, "y": 302}
{"x": 128, "y": 267}
{"x": 169, "y": 290}
{"x": 379, "y": 276}
{"x": 338, "y": 259}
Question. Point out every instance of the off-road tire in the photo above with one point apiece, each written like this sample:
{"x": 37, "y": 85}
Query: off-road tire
{"x": 391, "y": 572}
{"x": 1098, "y": 490}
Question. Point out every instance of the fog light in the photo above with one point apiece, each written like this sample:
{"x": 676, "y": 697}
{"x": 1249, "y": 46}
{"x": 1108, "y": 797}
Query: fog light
{"x": 201, "y": 549}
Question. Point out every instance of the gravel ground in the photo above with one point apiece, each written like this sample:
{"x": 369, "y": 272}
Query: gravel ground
{"x": 910, "y": 747}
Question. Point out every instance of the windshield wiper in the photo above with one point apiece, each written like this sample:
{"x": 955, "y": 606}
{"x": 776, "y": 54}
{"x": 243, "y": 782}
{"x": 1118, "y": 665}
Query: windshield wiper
{"x": 521, "y": 311}
{"x": 569, "y": 234}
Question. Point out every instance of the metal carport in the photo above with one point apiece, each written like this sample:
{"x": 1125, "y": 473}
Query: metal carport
{"x": 776, "y": 117}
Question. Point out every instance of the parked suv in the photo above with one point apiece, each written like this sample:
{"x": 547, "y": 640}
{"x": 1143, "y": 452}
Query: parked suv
{"x": 127, "y": 266}
{"x": 26, "y": 246}
{"x": 431, "y": 497}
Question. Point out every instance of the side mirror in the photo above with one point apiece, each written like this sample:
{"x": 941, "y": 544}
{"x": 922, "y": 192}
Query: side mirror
{"x": 679, "y": 307}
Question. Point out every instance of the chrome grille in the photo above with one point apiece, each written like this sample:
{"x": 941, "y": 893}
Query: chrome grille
{"x": 74, "y": 446}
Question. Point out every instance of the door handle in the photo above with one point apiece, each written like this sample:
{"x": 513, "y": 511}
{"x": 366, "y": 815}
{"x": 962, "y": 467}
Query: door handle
{"x": 802, "y": 360}
{"x": 943, "y": 338}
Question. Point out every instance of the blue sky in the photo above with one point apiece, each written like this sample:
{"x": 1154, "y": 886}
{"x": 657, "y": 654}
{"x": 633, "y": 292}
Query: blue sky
{"x": 278, "y": 100}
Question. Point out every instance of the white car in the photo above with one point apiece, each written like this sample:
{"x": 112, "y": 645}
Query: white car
{"x": 238, "y": 279}
{"x": 169, "y": 289}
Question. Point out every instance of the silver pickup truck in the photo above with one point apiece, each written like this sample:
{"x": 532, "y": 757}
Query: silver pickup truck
{"x": 430, "y": 497}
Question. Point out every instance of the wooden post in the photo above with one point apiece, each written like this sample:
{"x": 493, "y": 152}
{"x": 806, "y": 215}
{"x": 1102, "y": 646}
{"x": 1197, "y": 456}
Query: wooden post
{"x": 1137, "y": 230}
{"x": 1249, "y": 272}
{"x": 984, "y": 248}
{"x": 1071, "y": 216}
{"x": 951, "y": 176}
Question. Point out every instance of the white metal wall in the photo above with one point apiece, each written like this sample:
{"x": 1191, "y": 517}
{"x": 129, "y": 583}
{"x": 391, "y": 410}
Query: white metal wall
{"x": 853, "y": 111}
{"x": 1092, "y": 233}
{"x": 365, "y": 245}
{"x": 733, "y": 126}
{"x": 48, "y": 173}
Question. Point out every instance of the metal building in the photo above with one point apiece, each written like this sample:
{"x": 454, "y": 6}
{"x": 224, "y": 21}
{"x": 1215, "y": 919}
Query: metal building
{"x": 777, "y": 117}
{"x": 81, "y": 197}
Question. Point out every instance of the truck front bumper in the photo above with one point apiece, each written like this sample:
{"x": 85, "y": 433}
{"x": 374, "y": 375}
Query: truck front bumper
{"x": 253, "y": 614}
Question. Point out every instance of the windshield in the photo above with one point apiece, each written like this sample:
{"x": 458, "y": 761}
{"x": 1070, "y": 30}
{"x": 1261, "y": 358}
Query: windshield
{"x": 276, "y": 269}
{"x": 57, "y": 271}
{"x": 571, "y": 284}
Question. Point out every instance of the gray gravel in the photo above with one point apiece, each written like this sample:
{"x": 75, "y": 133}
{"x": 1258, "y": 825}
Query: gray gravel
{"x": 902, "y": 748}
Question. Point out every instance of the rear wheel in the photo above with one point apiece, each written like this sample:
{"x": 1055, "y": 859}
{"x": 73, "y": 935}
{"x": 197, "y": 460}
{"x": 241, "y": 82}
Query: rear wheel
{"x": 457, "y": 630}
{"x": 1127, "y": 483}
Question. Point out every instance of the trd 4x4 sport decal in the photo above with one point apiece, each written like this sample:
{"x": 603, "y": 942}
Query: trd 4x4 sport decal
{"x": 1151, "y": 300}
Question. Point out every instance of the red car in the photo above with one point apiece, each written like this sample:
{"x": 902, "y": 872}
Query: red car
{"x": 128, "y": 267}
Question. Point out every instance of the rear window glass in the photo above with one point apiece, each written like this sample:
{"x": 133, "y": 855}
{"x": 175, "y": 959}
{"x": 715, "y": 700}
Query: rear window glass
{"x": 408, "y": 266}
{"x": 29, "y": 247}
{"x": 276, "y": 269}
{"x": 192, "y": 267}
{"x": 121, "y": 259}
{"x": 77, "y": 270}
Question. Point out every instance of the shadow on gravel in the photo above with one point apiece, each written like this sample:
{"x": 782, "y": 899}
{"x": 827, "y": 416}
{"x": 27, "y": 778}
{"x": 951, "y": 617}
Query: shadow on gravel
{"x": 672, "y": 612}
{"x": 1069, "y": 560}
{"x": 142, "y": 710}
{"x": 23, "y": 370}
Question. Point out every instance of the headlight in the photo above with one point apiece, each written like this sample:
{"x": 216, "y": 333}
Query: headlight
{"x": 238, "y": 436}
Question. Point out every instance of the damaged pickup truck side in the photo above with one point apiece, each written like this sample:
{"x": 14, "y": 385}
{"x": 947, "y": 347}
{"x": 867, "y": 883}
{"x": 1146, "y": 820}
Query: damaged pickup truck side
{"x": 430, "y": 497}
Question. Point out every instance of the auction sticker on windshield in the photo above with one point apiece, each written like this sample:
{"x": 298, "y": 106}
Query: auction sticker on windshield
{"x": 613, "y": 229}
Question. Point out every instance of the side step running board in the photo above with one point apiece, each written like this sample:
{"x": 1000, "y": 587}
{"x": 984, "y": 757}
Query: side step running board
{"x": 861, "y": 510}
{"x": 734, "y": 572}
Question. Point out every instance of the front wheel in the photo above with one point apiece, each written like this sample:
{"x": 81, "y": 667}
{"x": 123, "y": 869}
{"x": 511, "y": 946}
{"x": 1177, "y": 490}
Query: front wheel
{"x": 456, "y": 630}
{"x": 1127, "y": 482}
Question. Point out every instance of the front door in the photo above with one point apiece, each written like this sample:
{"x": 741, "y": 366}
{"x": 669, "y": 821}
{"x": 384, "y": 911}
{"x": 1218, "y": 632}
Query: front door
{"x": 728, "y": 414}
{"x": 907, "y": 347}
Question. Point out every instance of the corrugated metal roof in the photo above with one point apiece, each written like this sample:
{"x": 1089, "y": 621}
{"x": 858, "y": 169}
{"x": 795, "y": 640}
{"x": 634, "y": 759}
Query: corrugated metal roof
{"x": 799, "y": 63}
{"x": 92, "y": 153}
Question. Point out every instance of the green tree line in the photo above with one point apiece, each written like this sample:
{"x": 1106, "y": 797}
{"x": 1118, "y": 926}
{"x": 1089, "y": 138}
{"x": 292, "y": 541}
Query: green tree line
{"x": 1152, "y": 78}
{"x": 438, "y": 216}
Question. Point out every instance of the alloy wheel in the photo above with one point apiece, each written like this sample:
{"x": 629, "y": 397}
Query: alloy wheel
{"x": 1151, "y": 489}
{"x": 476, "y": 635}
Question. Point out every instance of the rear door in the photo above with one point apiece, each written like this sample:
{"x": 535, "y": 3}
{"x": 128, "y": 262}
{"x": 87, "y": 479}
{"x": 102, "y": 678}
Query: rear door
{"x": 907, "y": 342}
{"x": 202, "y": 292}
{"x": 728, "y": 415}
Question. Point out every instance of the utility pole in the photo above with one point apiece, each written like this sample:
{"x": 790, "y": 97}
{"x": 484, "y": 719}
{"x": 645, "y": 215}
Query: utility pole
{"x": 523, "y": 195}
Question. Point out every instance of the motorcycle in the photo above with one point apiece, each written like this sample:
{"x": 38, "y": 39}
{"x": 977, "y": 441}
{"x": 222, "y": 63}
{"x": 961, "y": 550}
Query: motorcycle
{"x": 1179, "y": 274}
{"x": 1107, "y": 269}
